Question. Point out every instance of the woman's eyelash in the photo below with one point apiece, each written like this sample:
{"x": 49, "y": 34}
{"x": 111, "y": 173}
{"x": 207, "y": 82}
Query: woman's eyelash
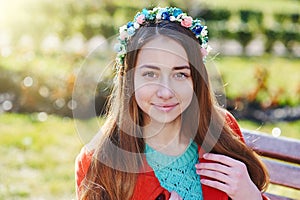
{"x": 182, "y": 74}
{"x": 152, "y": 74}
{"x": 149, "y": 74}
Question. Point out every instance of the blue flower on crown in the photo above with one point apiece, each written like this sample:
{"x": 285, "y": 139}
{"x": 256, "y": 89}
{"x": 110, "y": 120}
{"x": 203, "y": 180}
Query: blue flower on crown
{"x": 145, "y": 12}
{"x": 197, "y": 29}
{"x": 118, "y": 47}
{"x": 165, "y": 16}
{"x": 129, "y": 24}
{"x": 162, "y": 10}
{"x": 176, "y": 12}
{"x": 131, "y": 31}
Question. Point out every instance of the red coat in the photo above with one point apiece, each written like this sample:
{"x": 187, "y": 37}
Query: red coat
{"x": 147, "y": 185}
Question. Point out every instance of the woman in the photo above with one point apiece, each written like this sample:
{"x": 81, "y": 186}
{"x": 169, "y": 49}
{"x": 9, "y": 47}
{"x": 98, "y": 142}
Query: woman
{"x": 164, "y": 136}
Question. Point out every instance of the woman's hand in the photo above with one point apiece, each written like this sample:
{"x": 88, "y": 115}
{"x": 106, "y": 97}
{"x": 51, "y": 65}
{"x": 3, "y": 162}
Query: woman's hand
{"x": 175, "y": 196}
{"x": 229, "y": 175}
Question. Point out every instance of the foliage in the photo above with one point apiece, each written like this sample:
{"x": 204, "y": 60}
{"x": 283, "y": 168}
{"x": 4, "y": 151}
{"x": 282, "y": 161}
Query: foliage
{"x": 244, "y": 35}
{"x": 248, "y": 15}
{"x": 273, "y": 34}
{"x": 261, "y": 79}
{"x": 214, "y": 15}
{"x": 104, "y": 17}
{"x": 246, "y": 24}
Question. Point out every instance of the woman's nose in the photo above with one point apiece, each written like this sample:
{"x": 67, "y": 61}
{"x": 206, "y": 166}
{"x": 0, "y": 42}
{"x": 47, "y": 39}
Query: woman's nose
{"x": 164, "y": 92}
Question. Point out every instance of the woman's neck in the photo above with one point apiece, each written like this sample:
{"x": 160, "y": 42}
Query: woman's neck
{"x": 166, "y": 138}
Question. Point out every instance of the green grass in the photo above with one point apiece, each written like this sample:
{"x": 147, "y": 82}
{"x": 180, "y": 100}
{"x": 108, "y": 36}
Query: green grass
{"x": 37, "y": 158}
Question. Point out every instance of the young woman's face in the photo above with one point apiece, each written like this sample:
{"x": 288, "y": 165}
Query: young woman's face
{"x": 162, "y": 80}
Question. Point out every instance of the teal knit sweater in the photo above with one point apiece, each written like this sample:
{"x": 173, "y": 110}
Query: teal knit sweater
{"x": 177, "y": 173}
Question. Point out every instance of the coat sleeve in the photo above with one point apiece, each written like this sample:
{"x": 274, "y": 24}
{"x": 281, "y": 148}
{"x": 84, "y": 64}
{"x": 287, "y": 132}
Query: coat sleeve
{"x": 234, "y": 126}
{"x": 82, "y": 163}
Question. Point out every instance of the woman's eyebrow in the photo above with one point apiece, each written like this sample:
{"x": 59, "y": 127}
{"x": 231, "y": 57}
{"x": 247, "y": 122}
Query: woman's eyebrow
{"x": 149, "y": 66}
{"x": 157, "y": 68}
{"x": 181, "y": 67}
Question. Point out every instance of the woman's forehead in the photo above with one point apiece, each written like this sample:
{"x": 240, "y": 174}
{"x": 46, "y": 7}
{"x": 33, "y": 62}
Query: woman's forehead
{"x": 163, "y": 42}
{"x": 163, "y": 50}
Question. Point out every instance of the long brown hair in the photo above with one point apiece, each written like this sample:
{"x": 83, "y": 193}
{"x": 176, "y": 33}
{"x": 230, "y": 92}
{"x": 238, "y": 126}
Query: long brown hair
{"x": 111, "y": 174}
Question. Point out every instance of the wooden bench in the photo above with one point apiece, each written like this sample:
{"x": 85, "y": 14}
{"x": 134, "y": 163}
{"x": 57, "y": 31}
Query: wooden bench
{"x": 281, "y": 156}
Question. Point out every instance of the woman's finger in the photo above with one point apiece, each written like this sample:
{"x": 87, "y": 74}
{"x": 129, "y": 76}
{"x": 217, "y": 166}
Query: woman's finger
{"x": 221, "y": 159}
{"x": 218, "y": 176}
{"x": 213, "y": 166}
{"x": 216, "y": 184}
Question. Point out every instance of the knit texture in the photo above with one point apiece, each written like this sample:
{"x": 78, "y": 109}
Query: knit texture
{"x": 177, "y": 173}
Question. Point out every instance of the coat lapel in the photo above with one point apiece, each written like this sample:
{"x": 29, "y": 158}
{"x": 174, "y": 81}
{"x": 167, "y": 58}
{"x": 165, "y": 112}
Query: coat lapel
{"x": 148, "y": 186}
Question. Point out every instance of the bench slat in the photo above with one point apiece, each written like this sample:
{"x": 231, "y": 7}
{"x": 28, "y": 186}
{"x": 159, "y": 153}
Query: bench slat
{"x": 283, "y": 174}
{"x": 280, "y": 148}
{"x": 275, "y": 197}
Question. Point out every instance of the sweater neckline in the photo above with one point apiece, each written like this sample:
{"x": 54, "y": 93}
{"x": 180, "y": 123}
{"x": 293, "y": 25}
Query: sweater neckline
{"x": 159, "y": 160}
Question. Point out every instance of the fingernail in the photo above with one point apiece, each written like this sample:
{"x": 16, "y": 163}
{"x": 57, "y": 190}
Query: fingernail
{"x": 203, "y": 181}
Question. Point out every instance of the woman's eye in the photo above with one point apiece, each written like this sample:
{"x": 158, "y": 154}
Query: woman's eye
{"x": 181, "y": 75}
{"x": 150, "y": 74}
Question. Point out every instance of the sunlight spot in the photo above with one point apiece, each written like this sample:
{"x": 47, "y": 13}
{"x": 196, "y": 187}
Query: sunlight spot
{"x": 44, "y": 91}
{"x": 27, "y": 141}
{"x": 26, "y": 43}
{"x": 72, "y": 105}
{"x": 276, "y": 132}
{"x": 28, "y": 81}
{"x": 6, "y": 51}
{"x": 7, "y": 105}
{"x": 59, "y": 103}
{"x": 42, "y": 116}
{"x": 51, "y": 43}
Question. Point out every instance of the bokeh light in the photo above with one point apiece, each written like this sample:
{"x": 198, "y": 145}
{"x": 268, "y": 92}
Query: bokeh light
{"x": 42, "y": 116}
{"x": 28, "y": 81}
{"x": 276, "y": 132}
{"x": 7, "y": 105}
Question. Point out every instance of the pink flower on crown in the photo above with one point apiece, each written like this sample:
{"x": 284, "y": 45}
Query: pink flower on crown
{"x": 187, "y": 22}
{"x": 140, "y": 19}
{"x": 123, "y": 35}
{"x": 203, "y": 52}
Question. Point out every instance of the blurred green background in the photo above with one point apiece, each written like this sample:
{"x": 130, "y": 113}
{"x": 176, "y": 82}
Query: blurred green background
{"x": 47, "y": 46}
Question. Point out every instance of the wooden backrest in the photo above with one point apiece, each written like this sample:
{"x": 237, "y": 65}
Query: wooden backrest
{"x": 281, "y": 156}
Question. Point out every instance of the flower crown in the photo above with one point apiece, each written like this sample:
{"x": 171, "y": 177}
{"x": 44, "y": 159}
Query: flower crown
{"x": 172, "y": 14}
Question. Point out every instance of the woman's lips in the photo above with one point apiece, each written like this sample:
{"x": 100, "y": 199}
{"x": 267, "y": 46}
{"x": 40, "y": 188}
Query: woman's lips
{"x": 165, "y": 107}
